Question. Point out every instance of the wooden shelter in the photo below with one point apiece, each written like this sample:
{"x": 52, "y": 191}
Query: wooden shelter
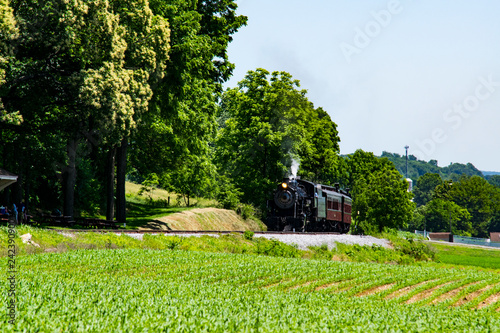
{"x": 6, "y": 178}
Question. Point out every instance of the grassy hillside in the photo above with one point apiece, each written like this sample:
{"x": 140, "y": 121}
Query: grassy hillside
{"x": 164, "y": 210}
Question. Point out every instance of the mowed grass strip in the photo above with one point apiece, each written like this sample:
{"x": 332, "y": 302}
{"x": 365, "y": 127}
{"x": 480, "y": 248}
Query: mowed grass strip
{"x": 468, "y": 255}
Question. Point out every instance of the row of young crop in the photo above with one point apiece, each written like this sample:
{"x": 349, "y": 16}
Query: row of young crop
{"x": 140, "y": 290}
{"x": 402, "y": 284}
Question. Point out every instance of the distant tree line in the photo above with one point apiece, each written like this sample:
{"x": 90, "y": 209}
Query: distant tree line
{"x": 468, "y": 206}
{"x": 456, "y": 198}
{"x": 418, "y": 168}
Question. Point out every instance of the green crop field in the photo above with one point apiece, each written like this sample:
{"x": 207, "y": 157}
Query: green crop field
{"x": 186, "y": 291}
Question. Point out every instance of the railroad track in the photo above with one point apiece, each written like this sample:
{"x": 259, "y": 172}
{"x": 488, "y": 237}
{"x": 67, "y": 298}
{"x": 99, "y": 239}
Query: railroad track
{"x": 180, "y": 232}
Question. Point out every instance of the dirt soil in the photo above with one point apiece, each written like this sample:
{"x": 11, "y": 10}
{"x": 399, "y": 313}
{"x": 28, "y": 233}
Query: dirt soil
{"x": 205, "y": 219}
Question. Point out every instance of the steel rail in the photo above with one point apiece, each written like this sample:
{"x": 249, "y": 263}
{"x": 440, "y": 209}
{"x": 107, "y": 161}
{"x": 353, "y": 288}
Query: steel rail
{"x": 180, "y": 232}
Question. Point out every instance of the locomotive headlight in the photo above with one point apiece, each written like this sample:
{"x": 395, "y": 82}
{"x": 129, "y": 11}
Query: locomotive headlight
{"x": 284, "y": 185}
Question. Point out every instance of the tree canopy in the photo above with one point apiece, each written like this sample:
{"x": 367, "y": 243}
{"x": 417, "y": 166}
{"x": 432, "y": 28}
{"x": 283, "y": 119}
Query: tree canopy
{"x": 82, "y": 71}
{"x": 182, "y": 118}
{"x": 424, "y": 190}
{"x": 469, "y": 206}
{"x": 418, "y": 168}
{"x": 380, "y": 194}
{"x": 266, "y": 125}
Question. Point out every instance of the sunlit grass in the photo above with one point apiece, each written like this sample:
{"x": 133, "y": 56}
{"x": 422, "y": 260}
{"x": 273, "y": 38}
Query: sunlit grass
{"x": 145, "y": 208}
{"x": 467, "y": 256}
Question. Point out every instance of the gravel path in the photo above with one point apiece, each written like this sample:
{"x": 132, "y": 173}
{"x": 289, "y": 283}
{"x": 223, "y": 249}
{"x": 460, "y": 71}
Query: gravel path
{"x": 303, "y": 241}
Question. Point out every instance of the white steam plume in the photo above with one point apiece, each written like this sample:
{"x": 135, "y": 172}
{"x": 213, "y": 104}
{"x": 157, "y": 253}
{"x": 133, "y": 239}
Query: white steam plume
{"x": 295, "y": 167}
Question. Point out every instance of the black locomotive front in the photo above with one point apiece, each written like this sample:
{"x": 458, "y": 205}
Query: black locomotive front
{"x": 300, "y": 205}
{"x": 291, "y": 206}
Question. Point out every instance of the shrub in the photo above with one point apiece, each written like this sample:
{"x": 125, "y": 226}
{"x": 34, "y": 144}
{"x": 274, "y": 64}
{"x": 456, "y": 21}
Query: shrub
{"x": 277, "y": 249}
{"x": 246, "y": 211}
{"x": 412, "y": 247}
{"x": 248, "y": 235}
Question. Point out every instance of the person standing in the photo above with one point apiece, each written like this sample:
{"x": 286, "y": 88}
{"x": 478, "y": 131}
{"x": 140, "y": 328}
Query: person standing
{"x": 14, "y": 211}
{"x": 23, "y": 213}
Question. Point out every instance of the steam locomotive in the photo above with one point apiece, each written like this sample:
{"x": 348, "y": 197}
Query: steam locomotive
{"x": 300, "y": 205}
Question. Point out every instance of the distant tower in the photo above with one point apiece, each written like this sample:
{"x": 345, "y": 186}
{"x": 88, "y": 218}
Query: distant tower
{"x": 406, "y": 147}
{"x": 410, "y": 182}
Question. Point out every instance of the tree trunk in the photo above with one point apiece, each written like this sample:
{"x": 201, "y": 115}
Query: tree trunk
{"x": 121, "y": 167}
{"x": 69, "y": 179}
{"x": 110, "y": 184}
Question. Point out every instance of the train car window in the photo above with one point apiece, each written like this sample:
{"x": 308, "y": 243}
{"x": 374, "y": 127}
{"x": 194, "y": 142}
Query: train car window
{"x": 347, "y": 209}
{"x": 335, "y": 205}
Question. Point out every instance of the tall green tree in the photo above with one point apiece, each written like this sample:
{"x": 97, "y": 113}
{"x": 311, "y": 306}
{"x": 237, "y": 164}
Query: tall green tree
{"x": 83, "y": 69}
{"x": 182, "y": 118}
{"x": 494, "y": 180}
{"x": 9, "y": 32}
{"x": 361, "y": 164}
{"x": 380, "y": 194}
{"x": 481, "y": 199}
{"x": 424, "y": 189}
{"x": 319, "y": 153}
{"x": 443, "y": 215}
{"x": 266, "y": 124}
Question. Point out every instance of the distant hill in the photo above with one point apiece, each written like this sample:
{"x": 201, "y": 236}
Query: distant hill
{"x": 490, "y": 173}
{"x": 417, "y": 168}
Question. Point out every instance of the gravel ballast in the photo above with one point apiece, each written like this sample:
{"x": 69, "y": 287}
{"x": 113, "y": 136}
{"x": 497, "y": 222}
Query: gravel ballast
{"x": 303, "y": 241}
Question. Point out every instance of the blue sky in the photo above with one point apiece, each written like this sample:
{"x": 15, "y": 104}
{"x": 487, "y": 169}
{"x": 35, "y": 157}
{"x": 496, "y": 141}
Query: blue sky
{"x": 390, "y": 73}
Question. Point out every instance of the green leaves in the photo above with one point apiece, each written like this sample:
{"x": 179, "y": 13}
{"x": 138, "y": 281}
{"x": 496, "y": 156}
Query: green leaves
{"x": 441, "y": 215}
{"x": 81, "y": 70}
{"x": 424, "y": 190}
{"x": 380, "y": 195}
{"x": 181, "y": 123}
{"x": 265, "y": 124}
{"x": 478, "y": 197}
